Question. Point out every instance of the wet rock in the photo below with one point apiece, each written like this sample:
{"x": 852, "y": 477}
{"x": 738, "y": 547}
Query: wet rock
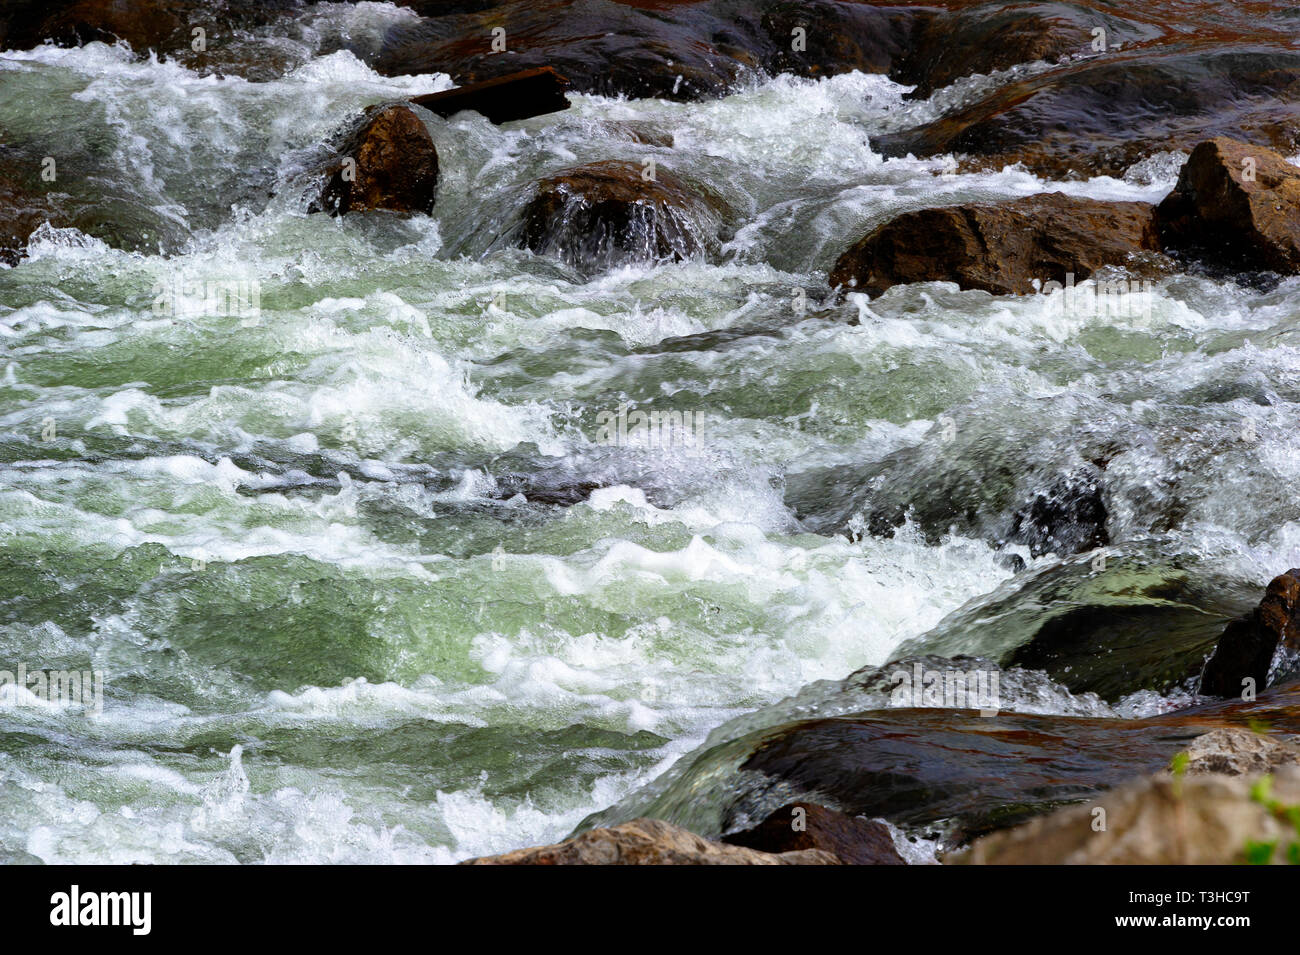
{"x": 916, "y": 767}
{"x": 1115, "y": 650}
{"x": 1003, "y": 247}
{"x": 1129, "y": 621}
{"x": 601, "y": 46}
{"x": 650, "y": 842}
{"x": 504, "y": 99}
{"x": 824, "y": 39}
{"x": 606, "y": 213}
{"x": 1238, "y": 752}
{"x": 988, "y": 37}
{"x": 689, "y": 50}
{"x": 647, "y": 134}
{"x": 394, "y": 166}
{"x": 1102, "y": 115}
{"x": 1237, "y": 205}
{"x": 22, "y": 211}
{"x": 1069, "y": 517}
{"x": 164, "y": 26}
{"x": 803, "y": 825}
{"x": 1160, "y": 820}
{"x": 1247, "y": 647}
{"x": 939, "y": 769}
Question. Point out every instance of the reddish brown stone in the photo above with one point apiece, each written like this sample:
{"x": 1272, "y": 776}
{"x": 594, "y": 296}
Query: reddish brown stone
{"x": 1237, "y": 204}
{"x": 806, "y": 825}
{"x": 1001, "y": 247}
{"x": 396, "y": 166}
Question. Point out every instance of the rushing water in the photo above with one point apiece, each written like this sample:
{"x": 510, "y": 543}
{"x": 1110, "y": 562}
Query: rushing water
{"x": 331, "y": 626}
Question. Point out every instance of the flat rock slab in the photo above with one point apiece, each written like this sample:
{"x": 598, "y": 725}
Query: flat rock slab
{"x": 505, "y": 99}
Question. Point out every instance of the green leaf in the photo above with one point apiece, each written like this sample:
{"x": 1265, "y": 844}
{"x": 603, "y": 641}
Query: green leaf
{"x": 1259, "y": 853}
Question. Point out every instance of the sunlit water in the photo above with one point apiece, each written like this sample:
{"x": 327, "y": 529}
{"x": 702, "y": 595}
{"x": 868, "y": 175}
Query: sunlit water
{"x": 331, "y": 628}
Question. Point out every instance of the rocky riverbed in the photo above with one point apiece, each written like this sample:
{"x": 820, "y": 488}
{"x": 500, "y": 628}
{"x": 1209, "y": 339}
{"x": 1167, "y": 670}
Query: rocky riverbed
{"x": 648, "y": 431}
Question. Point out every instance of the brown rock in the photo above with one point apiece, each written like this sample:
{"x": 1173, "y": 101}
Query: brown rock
{"x": 1160, "y": 820}
{"x": 396, "y": 166}
{"x": 1235, "y": 751}
{"x": 805, "y": 825}
{"x": 649, "y": 842}
{"x": 952, "y": 770}
{"x": 606, "y": 213}
{"x": 1246, "y": 649}
{"x": 1237, "y": 204}
{"x": 161, "y": 25}
{"x": 21, "y": 212}
{"x": 1100, "y": 115}
{"x": 689, "y": 49}
{"x": 987, "y": 37}
{"x": 1000, "y": 247}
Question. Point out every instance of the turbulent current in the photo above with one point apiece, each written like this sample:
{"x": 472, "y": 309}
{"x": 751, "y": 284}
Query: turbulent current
{"x": 367, "y": 579}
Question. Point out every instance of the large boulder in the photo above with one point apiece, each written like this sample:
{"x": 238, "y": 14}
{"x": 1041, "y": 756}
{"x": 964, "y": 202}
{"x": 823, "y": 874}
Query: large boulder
{"x": 942, "y": 768}
{"x": 1112, "y": 626}
{"x": 691, "y": 49}
{"x": 388, "y": 161}
{"x": 1235, "y": 204}
{"x": 1011, "y": 247}
{"x": 805, "y": 825}
{"x": 1161, "y": 820}
{"x": 1246, "y": 649}
{"x": 164, "y": 26}
{"x": 608, "y": 213}
{"x": 649, "y": 842}
{"x": 988, "y": 37}
{"x": 1099, "y": 116}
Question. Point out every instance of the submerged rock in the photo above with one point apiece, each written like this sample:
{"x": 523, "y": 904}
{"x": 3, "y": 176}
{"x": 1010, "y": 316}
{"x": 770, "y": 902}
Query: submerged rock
{"x": 805, "y": 825}
{"x": 1069, "y": 517}
{"x": 22, "y": 211}
{"x": 606, "y": 213}
{"x": 650, "y": 842}
{"x": 1236, "y": 205}
{"x": 387, "y": 162}
{"x": 1011, "y": 247}
{"x": 1141, "y": 623}
{"x": 1160, "y": 820}
{"x": 1245, "y": 651}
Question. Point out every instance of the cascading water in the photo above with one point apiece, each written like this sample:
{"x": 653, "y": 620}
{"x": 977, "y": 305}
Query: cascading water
{"x": 364, "y": 581}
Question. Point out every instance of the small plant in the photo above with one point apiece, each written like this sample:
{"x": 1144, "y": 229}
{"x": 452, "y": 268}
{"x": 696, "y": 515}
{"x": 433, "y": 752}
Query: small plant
{"x": 1261, "y": 853}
